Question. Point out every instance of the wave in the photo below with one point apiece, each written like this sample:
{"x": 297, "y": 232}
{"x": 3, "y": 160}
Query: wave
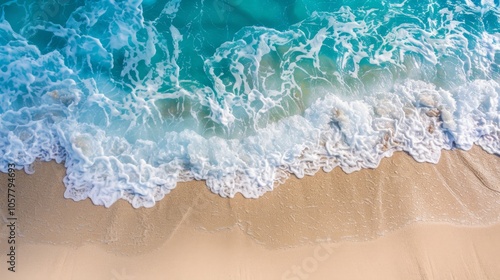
{"x": 136, "y": 96}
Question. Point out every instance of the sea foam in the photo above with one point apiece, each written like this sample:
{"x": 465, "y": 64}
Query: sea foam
{"x": 136, "y": 96}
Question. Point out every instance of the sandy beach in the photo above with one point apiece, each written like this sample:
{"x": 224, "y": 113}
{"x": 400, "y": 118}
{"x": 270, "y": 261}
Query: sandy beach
{"x": 403, "y": 220}
{"x": 109, "y": 108}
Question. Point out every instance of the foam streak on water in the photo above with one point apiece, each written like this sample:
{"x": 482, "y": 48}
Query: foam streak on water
{"x": 135, "y": 96}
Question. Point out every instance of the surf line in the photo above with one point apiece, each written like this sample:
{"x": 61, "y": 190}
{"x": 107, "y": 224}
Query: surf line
{"x": 11, "y": 219}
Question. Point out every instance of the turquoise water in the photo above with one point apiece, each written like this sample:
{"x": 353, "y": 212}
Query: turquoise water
{"x": 135, "y": 96}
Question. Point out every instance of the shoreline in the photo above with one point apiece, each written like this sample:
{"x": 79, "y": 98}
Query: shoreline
{"x": 449, "y": 202}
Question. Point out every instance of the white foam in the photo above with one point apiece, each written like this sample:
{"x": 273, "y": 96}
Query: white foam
{"x": 328, "y": 92}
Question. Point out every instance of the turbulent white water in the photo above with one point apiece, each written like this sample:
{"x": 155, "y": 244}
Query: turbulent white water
{"x": 136, "y": 96}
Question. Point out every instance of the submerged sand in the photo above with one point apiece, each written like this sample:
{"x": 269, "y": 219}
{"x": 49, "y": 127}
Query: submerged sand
{"x": 403, "y": 220}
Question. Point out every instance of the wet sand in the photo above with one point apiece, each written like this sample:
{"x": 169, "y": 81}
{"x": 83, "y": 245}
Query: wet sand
{"x": 403, "y": 220}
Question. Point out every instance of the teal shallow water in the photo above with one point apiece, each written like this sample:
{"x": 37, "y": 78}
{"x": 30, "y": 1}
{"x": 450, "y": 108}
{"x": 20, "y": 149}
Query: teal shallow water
{"x": 135, "y": 96}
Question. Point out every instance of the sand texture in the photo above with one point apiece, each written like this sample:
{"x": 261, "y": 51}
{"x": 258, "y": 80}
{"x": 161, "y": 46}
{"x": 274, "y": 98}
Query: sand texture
{"x": 403, "y": 220}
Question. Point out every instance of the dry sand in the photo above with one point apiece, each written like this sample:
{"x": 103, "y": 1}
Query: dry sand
{"x": 403, "y": 220}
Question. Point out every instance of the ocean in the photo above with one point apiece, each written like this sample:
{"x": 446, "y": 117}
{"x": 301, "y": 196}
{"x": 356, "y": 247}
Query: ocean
{"x": 136, "y": 96}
